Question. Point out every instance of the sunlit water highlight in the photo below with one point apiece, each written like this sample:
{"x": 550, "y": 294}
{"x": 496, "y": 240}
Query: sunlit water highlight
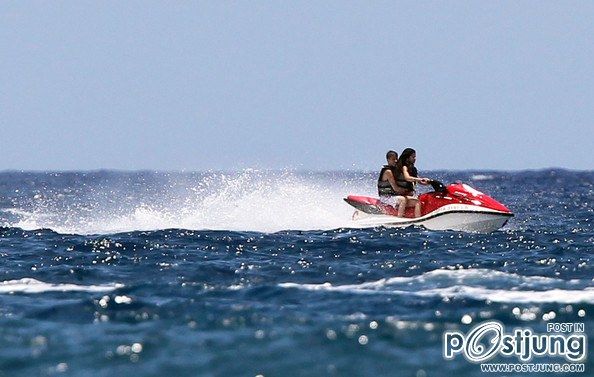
{"x": 248, "y": 273}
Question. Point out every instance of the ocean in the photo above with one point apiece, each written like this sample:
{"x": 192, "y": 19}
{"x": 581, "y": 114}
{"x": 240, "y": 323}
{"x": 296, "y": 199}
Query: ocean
{"x": 258, "y": 273}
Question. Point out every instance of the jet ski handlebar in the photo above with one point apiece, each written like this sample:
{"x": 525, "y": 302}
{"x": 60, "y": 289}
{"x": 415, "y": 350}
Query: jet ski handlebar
{"x": 438, "y": 186}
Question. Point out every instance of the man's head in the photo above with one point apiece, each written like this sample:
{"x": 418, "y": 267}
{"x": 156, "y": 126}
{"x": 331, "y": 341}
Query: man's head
{"x": 392, "y": 158}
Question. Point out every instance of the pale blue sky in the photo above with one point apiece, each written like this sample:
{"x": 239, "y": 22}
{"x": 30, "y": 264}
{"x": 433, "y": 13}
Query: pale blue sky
{"x": 317, "y": 85}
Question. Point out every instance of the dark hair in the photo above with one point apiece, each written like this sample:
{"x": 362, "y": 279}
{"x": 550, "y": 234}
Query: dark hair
{"x": 402, "y": 160}
{"x": 390, "y": 154}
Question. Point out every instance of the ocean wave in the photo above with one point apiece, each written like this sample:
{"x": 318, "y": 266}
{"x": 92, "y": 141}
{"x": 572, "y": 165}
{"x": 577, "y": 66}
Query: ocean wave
{"x": 478, "y": 284}
{"x": 30, "y": 285}
{"x": 482, "y": 177}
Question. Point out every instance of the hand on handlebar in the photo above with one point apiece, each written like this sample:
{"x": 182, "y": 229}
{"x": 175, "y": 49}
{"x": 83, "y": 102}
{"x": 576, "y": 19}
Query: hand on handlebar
{"x": 425, "y": 181}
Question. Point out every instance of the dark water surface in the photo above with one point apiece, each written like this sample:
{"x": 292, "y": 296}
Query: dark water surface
{"x": 252, "y": 273}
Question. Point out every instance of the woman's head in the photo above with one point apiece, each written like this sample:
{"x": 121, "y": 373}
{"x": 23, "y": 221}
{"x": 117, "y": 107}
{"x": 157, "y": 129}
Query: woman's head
{"x": 407, "y": 157}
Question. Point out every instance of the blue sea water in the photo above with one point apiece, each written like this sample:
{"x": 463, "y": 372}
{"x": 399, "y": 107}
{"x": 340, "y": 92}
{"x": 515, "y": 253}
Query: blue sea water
{"x": 263, "y": 273}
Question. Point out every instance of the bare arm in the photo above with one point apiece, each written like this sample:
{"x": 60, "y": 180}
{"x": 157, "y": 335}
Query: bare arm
{"x": 390, "y": 177}
{"x": 410, "y": 178}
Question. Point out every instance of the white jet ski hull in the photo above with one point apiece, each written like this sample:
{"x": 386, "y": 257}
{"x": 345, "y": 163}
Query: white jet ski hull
{"x": 455, "y": 217}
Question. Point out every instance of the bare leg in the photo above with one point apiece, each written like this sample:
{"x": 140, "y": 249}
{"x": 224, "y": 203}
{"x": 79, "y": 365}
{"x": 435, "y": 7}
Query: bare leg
{"x": 417, "y": 209}
{"x": 408, "y": 201}
{"x": 402, "y": 206}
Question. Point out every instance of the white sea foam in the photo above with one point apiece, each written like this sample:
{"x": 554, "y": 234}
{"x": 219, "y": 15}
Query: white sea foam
{"x": 482, "y": 177}
{"x": 248, "y": 201}
{"x": 479, "y": 284}
{"x": 478, "y": 275}
{"x": 561, "y": 296}
{"x": 16, "y": 211}
{"x": 30, "y": 285}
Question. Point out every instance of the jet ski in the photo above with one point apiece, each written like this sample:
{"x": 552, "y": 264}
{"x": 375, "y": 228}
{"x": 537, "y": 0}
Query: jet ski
{"x": 454, "y": 207}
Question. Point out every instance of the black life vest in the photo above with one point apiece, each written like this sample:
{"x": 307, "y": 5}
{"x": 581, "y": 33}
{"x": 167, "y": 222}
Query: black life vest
{"x": 384, "y": 187}
{"x": 401, "y": 182}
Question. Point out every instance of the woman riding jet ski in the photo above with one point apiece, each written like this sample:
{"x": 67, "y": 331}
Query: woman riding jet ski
{"x": 455, "y": 207}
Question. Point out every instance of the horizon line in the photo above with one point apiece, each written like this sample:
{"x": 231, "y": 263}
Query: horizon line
{"x": 295, "y": 170}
